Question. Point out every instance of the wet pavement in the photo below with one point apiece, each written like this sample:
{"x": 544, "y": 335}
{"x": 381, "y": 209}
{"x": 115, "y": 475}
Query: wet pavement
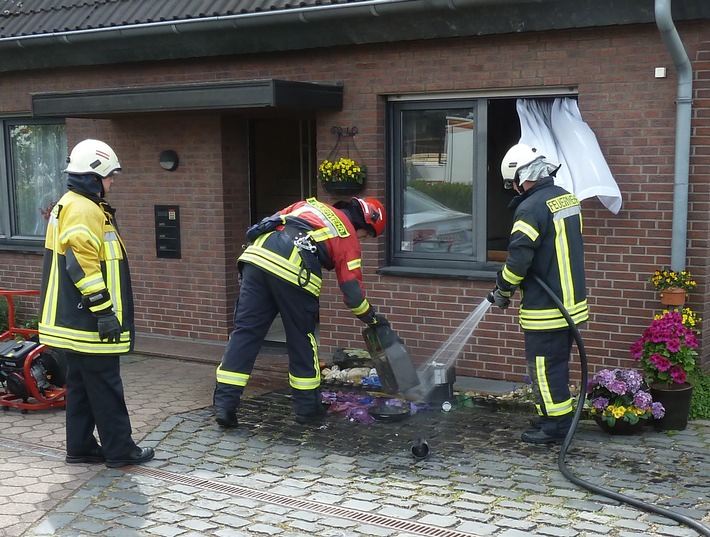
{"x": 273, "y": 477}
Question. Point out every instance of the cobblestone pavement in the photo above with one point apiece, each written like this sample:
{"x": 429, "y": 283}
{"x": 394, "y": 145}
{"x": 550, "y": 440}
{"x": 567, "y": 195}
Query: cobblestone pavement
{"x": 272, "y": 477}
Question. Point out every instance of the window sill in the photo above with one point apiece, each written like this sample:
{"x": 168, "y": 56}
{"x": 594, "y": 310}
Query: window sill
{"x": 487, "y": 272}
{"x": 24, "y": 247}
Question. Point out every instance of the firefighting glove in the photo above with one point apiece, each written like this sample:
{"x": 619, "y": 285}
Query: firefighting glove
{"x": 500, "y": 298}
{"x": 378, "y": 320}
{"x": 109, "y": 327}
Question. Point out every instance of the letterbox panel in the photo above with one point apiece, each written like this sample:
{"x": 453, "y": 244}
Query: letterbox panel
{"x": 167, "y": 231}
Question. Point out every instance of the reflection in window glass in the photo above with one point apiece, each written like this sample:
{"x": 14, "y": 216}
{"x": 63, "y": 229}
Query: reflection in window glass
{"x": 36, "y": 160}
{"x": 438, "y": 166}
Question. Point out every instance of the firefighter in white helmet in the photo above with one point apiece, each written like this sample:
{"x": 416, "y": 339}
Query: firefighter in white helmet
{"x": 86, "y": 309}
{"x": 546, "y": 240}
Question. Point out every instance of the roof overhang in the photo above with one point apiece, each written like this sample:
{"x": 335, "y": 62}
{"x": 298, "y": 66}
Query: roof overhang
{"x": 247, "y": 94}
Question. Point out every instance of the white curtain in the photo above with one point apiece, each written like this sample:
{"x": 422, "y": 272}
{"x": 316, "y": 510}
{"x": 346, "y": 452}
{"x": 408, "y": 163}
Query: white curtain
{"x": 556, "y": 128}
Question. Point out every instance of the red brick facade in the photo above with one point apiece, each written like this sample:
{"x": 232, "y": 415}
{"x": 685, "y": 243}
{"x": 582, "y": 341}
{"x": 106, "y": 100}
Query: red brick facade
{"x": 631, "y": 112}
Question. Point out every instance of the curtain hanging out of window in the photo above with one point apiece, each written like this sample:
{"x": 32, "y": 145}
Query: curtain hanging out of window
{"x": 555, "y": 127}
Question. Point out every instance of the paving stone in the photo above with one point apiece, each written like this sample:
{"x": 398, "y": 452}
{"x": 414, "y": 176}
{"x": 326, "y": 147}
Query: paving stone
{"x": 264, "y": 529}
{"x": 477, "y": 528}
{"x": 439, "y": 520}
{"x": 166, "y": 531}
{"x": 310, "y": 528}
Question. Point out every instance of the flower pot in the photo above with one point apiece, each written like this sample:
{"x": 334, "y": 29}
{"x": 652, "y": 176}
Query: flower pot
{"x": 620, "y": 427}
{"x": 675, "y": 398}
{"x": 673, "y": 296}
{"x": 343, "y": 188}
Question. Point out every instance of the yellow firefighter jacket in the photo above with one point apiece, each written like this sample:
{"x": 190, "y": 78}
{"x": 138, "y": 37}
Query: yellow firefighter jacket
{"x": 85, "y": 271}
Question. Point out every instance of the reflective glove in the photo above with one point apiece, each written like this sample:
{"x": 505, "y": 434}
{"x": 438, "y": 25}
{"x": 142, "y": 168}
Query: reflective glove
{"x": 499, "y": 298}
{"x": 378, "y": 320}
{"x": 109, "y": 328}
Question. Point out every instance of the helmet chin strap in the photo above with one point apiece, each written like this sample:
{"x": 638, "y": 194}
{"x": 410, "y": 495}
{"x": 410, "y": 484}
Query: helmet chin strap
{"x": 102, "y": 192}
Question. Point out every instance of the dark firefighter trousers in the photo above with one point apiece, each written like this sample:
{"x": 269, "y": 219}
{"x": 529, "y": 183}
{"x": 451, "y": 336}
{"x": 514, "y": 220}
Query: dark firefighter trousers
{"x": 262, "y": 296}
{"x": 95, "y": 398}
{"x": 547, "y": 354}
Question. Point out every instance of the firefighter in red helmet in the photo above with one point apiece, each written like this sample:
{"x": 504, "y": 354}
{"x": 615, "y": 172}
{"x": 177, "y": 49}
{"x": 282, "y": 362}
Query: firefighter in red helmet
{"x": 281, "y": 273}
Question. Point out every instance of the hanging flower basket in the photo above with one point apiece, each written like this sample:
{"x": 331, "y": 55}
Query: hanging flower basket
{"x": 343, "y": 172}
{"x": 343, "y": 188}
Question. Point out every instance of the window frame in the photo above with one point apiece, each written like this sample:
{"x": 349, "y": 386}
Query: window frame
{"x": 427, "y": 263}
{"x": 9, "y": 241}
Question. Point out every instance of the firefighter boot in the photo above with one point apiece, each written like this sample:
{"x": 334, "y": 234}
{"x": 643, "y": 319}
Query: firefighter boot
{"x": 308, "y": 406}
{"x": 552, "y": 430}
{"x": 226, "y": 418}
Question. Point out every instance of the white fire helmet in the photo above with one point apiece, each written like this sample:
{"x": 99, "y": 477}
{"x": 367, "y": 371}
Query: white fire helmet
{"x": 93, "y": 157}
{"x": 518, "y": 156}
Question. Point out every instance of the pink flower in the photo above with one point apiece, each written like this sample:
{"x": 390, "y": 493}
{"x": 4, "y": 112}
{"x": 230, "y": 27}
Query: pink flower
{"x": 673, "y": 345}
{"x": 666, "y": 349}
{"x": 637, "y": 349}
{"x": 677, "y": 374}
{"x": 660, "y": 362}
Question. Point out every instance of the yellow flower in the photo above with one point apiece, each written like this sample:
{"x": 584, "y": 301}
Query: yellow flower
{"x": 618, "y": 411}
{"x": 690, "y": 318}
{"x": 665, "y": 279}
{"x": 343, "y": 169}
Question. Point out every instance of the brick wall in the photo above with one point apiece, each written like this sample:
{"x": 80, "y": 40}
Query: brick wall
{"x": 631, "y": 112}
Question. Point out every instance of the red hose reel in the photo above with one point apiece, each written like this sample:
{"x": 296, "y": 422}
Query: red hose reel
{"x": 32, "y": 375}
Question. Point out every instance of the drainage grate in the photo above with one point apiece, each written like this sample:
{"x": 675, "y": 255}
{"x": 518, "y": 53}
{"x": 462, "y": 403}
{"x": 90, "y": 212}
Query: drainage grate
{"x": 37, "y": 449}
{"x": 296, "y": 503}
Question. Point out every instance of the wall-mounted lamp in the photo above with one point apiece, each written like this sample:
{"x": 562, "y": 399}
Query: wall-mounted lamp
{"x": 169, "y": 160}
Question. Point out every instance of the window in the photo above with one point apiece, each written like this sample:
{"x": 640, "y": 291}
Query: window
{"x": 447, "y": 198}
{"x": 32, "y": 179}
{"x": 449, "y": 208}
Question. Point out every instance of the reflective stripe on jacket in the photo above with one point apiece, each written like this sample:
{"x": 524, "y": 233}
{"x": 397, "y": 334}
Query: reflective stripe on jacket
{"x": 84, "y": 256}
{"x": 547, "y": 239}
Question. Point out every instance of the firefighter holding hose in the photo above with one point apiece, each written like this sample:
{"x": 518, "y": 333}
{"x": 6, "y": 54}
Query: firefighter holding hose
{"x": 546, "y": 240}
{"x": 281, "y": 271}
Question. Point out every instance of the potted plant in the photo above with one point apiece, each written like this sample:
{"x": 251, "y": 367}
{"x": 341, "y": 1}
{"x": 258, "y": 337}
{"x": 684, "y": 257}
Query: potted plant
{"x": 666, "y": 352}
{"x": 342, "y": 175}
{"x": 619, "y": 401}
{"x": 674, "y": 286}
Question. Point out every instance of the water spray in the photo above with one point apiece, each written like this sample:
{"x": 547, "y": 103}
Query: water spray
{"x": 437, "y": 371}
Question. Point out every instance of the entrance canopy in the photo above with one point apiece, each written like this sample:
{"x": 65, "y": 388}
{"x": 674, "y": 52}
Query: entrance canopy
{"x": 269, "y": 93}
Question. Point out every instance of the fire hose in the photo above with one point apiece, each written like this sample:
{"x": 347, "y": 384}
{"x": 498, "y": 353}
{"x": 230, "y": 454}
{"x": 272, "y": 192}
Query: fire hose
{"x": 695, "y": 524}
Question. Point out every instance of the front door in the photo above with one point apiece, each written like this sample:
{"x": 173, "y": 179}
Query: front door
{"x": 283, "y": 172}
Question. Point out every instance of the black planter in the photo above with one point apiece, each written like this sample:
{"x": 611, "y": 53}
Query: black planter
{"x": 676, "y": 401}
{"x": 620, "y": 427}
{"x": 343, "y": 188}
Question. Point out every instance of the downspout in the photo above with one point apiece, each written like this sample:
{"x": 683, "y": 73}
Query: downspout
{"x": 684, "y": 101}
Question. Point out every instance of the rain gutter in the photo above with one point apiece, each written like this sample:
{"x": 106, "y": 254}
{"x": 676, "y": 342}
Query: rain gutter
{"x": 374, "y": 8}
{"x": 684, "y": 102}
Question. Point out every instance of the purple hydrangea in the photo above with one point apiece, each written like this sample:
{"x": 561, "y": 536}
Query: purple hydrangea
{"x": 622, "y": 388}
{"x": 657, "y": 410}
{"x": 600, "y": 403}
{"x": 642, "y": 400}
